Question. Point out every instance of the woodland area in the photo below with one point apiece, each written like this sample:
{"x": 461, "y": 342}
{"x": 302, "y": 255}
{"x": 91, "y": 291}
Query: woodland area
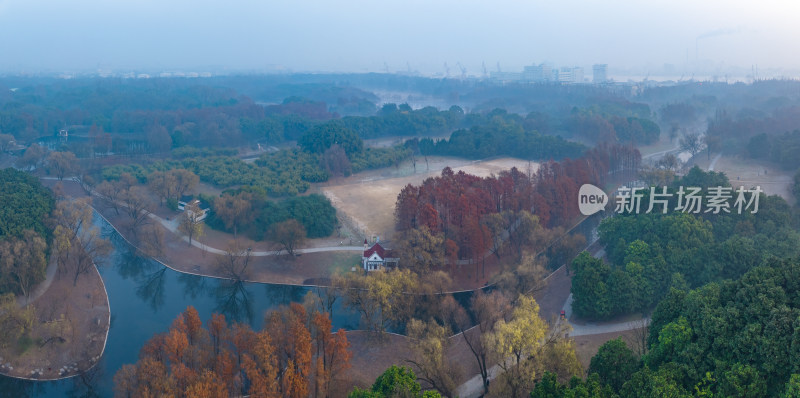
{"x": 731, "y": 338}
{"x": 719, "y": 288}
{"x": 249, "y": 211}
{"x": 295, "y": 355}
{"x": 651, "y": 253}
{"x": 472, "y": 215}
{"x": 39, "y": 230}
{"x": 25, "y": 232}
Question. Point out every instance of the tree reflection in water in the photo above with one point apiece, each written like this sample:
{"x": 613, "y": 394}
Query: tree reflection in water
{"x": 194, "y": 286}
{"x": 129, "y": 263}
{"x": 234, "y": 301}
{"x": 85, "y": 384}
{"x": 148, "y": 274}
{"x": 284, "y": 294}
{"x": 150, "y": 287}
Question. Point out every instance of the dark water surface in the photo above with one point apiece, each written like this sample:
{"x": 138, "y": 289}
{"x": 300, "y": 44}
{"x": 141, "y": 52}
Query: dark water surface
{"x": 145, "y": 298}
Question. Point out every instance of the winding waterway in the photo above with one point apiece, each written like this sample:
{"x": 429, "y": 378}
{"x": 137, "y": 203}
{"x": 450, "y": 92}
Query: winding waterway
{"x": 145, "y": 298}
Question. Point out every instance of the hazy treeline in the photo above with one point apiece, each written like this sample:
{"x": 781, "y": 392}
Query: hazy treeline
{"x": 153, "y": 115}
{"x": 773, "y": 136}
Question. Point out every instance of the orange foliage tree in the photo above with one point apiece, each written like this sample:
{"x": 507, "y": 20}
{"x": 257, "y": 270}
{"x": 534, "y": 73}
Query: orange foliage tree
{"x": 454, "y": 203}
{"x": 294, "y": 356}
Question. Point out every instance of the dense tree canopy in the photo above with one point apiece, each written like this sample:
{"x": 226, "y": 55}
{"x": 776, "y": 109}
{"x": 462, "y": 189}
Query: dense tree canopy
{"x": 743, "y": 332}
{"x": 315, "y": 212}
{"x": 26, "y": 204}
{"x": 295, "y": 355}
{"x": 499, "y": 138}
{"x": 397, "y": 381}
{"x": 649, "y": 253}
{"x": 460, "y": 205}
{"x": 24, "y": 231}
{"x": 323, "y": 136}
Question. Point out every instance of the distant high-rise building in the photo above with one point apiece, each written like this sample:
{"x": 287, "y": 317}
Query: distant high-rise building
{"x": 577, "y": 74}
{"x": 565, "y": 75}
{"x": 570, "y": 75}
{"x": 541, "y": 73}
{"x": 599, "y": 73}
{"x": 547, "y": 71}
{"x": 537, "y": 73}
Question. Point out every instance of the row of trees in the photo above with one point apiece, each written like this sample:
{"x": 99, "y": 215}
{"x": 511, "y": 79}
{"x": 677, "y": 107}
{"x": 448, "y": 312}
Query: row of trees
{"x": 612, "y": 129}
{"x": 780, "y": 148}
{"x": 173, "y": 112}
{"x": 341, "y": 151}
{"x": 286, "y": 172}
{"x": 249, "y": 211}
{"x": 772, "y": 137}
{"x": 296, "y": 354}
{"x": 475, "y": 214}
{"x": 401, "y": 120}
{"x": 294, "y": 177}
{"x": 500, "y": 138}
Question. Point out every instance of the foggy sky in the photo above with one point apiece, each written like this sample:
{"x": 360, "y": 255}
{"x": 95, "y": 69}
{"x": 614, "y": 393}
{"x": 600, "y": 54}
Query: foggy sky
{"x": 359, "y": 36}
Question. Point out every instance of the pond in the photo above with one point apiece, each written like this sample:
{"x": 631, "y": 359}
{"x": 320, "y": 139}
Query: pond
{"x": 145, "y": 298}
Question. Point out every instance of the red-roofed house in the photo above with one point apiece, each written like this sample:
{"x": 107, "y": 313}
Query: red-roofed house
{"x": 376, "y": 257}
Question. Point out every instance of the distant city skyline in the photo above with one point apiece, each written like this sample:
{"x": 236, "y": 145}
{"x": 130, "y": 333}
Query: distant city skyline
{"x": 656, "y": 38}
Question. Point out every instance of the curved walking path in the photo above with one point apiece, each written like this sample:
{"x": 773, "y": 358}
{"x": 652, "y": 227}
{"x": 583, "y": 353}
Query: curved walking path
{"x": 473, "y": 388}
{"x": 652, "y": 155}
{"x": 41, "y": 288}
{"x": 49, "y": 364}
{"x": 172, "y": 226}
{"x": 714, "y": 162}
{"x": 590, "y": 328}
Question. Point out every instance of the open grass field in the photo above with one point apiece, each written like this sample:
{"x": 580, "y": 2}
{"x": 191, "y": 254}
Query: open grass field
{"x": 749, "y": 173}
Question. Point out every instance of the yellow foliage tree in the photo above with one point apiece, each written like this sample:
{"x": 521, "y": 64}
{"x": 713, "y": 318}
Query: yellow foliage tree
{"x": 515, "y": 345}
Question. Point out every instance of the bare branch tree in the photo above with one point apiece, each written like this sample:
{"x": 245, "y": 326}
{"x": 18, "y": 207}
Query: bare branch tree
{"x": 78, "y": 242}
{"x": 691, "y": 142}
{"x": 488, "y": 309}
{"x": 289, "y": 235}
{"x": 637, "y": 340}
{"x": 138, "y": 206}
{"x": 235, "y": 261}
